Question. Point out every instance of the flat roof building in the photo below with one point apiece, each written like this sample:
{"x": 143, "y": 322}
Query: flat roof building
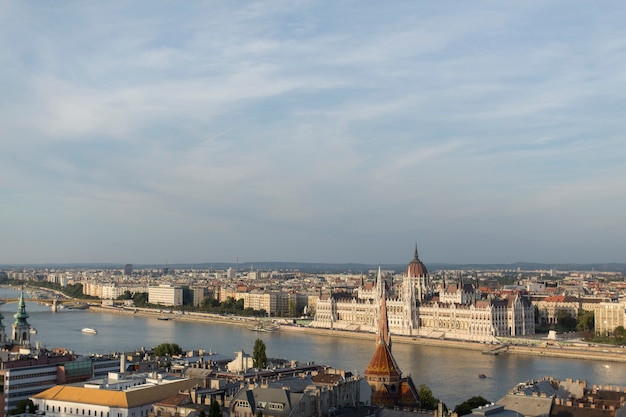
{"x": 166, "y": 295}
{"x": 114, "y": 396}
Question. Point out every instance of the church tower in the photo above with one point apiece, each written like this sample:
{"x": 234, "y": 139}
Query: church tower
{"x": 21, "y": 328}
{"x": 389, "y": 388}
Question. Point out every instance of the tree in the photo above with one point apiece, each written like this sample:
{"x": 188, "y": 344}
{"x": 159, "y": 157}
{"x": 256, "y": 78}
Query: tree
{"x": 619, "y": 331}
{"x": 586, "y": 321}
{"x": 259, "y": 358}
{"x": 209, "y": 302}
{"x": 126, "y": 296}
{"x": 140, "y": 299}
{"x": 536, "y": 308}
{"x": 293, "y": 309}
{"x": 215, "y": 410}
{"x": 23, "y": 406}
{"x": 427, "y": 399}
{"x": 466, "y": 407}
{"x": 566, "y": 321}
{"x": 168, "y": 349}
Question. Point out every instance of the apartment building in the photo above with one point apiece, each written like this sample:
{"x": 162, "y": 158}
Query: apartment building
{"x": 166, "y": 295}
{"x": 608, "y": 316}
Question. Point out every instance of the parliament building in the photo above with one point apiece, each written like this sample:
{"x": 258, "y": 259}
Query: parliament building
{"x": 416, "y": 307}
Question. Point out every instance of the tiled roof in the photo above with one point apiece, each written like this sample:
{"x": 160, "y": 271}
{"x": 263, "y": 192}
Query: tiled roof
{"x": 174, "y": 400}
{"x": 383, "y": 363}
{"x": 416, "y": 268}
{"x": 561, "y": 299}
{"x": 112, "y": 398}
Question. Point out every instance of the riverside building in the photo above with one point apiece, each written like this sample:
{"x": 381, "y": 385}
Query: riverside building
{"x": 26, "y": 370}
{"x": 416, "y": 307}
{"x": 166, "y": 295}
{"x": 116, "y": 395}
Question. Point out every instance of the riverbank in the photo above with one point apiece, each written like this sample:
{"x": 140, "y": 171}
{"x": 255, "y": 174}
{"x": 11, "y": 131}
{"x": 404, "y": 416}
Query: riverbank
{"x": 555, "y": 350}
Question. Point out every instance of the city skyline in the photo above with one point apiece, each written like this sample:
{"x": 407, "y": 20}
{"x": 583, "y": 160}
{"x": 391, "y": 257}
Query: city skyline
{"x": 312, "y": 132}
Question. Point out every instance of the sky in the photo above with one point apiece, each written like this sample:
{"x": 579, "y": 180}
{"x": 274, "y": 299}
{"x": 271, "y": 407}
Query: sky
{"x": 312, "y": 131}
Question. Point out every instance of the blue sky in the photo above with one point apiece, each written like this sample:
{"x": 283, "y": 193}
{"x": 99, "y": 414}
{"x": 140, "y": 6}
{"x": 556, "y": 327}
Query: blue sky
{"x": 312, "y": 131}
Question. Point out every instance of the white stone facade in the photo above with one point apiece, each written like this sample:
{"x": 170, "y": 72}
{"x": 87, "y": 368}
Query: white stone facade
{"x": 165, "y": 295}
{"x": 417, "y": 308}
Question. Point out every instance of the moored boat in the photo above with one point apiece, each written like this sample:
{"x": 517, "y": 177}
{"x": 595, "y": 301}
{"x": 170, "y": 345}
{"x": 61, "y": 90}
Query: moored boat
{"x": 263, "y": 327}
{"x": 259, "y": 329}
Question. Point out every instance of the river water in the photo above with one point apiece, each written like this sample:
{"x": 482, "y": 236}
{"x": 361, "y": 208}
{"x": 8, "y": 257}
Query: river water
{"x": 452, "y": 374}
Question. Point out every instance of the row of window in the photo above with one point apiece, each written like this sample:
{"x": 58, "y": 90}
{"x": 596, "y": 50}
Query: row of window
{"x": 271, "y": 406}
{"x": 13, "y": 377}
{"x": 47, "y": 383}
{"x": 79, "y": 411}
{"x": 95, "y": 413}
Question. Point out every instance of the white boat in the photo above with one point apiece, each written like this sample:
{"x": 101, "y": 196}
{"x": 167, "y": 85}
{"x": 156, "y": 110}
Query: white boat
{"x": 89, "y": 330}
{"x": 33, "y": 330}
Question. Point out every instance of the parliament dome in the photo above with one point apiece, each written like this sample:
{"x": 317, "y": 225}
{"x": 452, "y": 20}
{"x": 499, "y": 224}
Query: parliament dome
{"x": 416, "y": 268}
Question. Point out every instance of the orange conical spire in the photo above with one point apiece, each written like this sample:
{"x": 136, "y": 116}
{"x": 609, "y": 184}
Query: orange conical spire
{"x": 383, "y": 370}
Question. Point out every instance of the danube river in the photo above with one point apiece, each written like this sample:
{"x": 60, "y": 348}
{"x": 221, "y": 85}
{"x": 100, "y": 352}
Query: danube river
{"x": 452, "y": 374}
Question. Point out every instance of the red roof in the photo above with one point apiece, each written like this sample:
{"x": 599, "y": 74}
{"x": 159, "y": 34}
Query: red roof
{"x": 416, "y": 268}
{"x": 383, "y": 363}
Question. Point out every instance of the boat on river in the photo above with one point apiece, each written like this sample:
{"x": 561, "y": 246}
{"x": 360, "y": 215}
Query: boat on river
{"x": 260, "y": 329}
{"x": 89, "y": 330}
{"x": 263, "y": 327}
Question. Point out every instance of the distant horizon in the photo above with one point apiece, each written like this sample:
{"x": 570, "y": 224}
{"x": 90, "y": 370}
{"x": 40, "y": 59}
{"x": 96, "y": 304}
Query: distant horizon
{"x": 117, "y": 265}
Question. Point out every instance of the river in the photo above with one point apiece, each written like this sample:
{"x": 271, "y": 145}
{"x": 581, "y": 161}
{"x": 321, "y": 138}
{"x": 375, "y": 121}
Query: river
{"x": 452, "y": 374}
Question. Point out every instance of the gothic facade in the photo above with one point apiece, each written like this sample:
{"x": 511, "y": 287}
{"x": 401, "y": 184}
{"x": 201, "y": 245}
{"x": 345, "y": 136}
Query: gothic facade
{"x": 416, "y": 307}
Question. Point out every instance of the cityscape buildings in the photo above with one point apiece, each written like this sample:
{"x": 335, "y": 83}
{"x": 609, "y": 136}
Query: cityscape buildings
{"x": 452, "y": 310}
{"x": 26, "y": 370}
{"x": 312, "y": 391}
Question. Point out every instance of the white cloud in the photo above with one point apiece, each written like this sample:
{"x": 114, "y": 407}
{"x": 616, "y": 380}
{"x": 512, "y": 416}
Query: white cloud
{"x": 341, "y": 122}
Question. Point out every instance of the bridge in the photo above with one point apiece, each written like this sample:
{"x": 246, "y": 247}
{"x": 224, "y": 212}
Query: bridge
{"x": 54, "y": 303}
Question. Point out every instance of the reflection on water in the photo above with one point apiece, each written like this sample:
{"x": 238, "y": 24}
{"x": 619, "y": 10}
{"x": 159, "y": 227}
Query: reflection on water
{"x": 452, "y": 374}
